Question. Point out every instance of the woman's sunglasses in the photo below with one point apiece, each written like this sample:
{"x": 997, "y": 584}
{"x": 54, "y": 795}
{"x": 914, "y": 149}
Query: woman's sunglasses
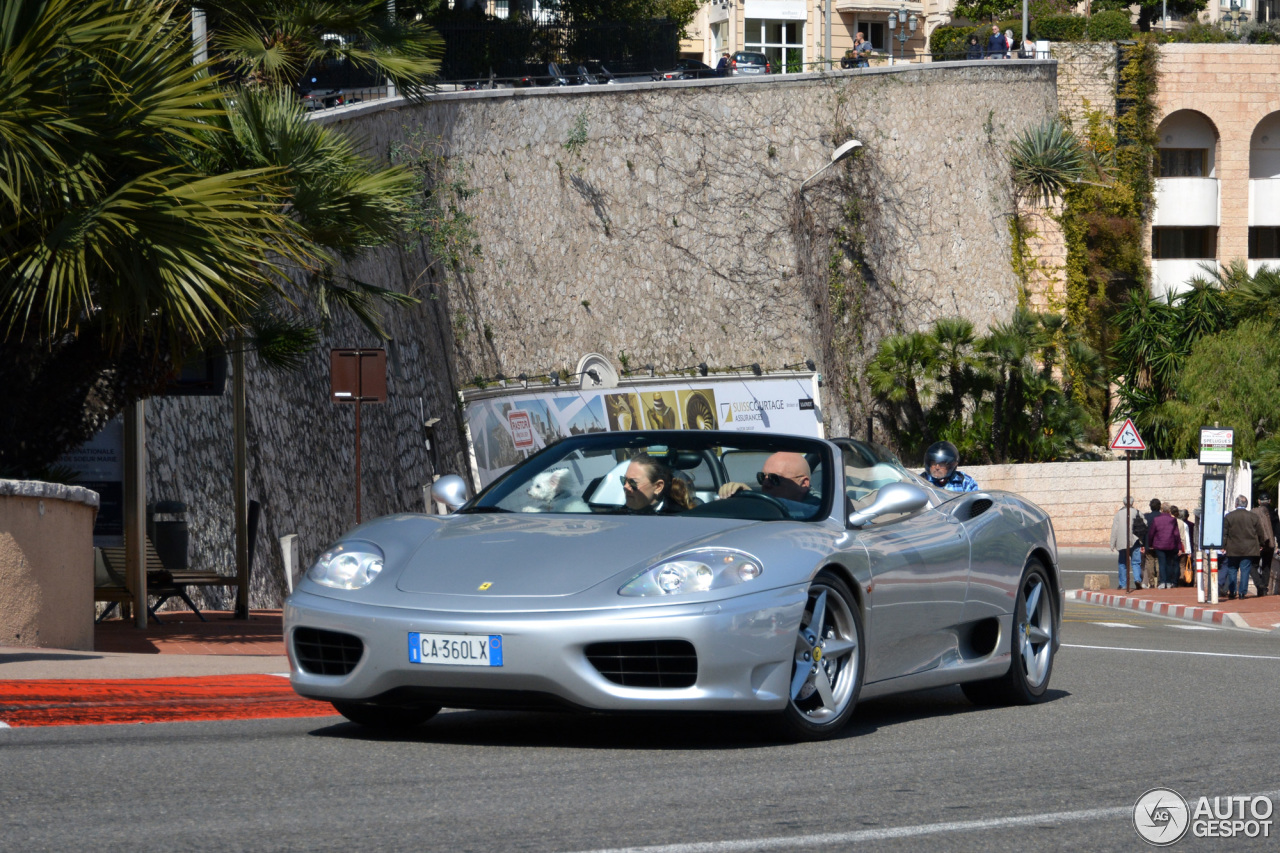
{"x": 629, "y": 481}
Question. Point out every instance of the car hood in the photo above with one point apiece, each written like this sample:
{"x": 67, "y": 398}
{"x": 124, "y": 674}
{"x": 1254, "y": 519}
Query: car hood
{"x": 545, "y": 556}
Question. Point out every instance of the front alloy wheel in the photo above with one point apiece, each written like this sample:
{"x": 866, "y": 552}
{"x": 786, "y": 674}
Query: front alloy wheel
{"x": 826, "y": 671}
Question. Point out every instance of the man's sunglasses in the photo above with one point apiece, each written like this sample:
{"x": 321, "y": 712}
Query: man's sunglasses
{"x": 770, "y": 480}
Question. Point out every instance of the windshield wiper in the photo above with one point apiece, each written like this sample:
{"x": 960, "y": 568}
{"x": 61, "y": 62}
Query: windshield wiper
{"x": 480, "y": 509}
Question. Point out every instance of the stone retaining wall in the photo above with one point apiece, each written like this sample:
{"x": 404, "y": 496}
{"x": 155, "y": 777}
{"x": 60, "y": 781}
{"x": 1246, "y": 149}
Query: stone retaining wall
{"x": 655, "y": 220}
{"x": 1082, "y": 497}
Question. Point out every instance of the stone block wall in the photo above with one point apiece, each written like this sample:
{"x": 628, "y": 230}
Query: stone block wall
{"x": 1086, "y": 79}
{"x": 657, "y": 220}
{"x": 1082, "y": 497}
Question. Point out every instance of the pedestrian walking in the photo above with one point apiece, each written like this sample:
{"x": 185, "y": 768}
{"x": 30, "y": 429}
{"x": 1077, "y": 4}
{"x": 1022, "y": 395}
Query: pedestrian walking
{"x": 1163, "y": 538}
{"x": 1188, "y": 553}
{"x": 861, "y": 51}
{"x": 996, "y": 45}
{"x": 975, "y": 48}
{"x": 1127, "y": 519}
{"x": 722, "y": 67}
{"x": 1243, "y": 540}
{"x": 1262, "y": 573}
{"x": 1149, "y": 562}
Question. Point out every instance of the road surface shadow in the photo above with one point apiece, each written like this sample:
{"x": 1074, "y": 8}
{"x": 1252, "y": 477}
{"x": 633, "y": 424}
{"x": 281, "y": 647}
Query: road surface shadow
{"x": 648, "y": 731}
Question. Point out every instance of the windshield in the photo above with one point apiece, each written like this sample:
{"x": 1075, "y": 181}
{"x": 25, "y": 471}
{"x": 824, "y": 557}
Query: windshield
{"x": 672, "y": 472}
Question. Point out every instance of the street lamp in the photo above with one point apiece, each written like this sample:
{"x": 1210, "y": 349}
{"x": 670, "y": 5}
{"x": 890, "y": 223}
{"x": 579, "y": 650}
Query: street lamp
{"x": 1235, "y": 16}
{"x": 901, "y": 17}
{"x": 836, "y": 156}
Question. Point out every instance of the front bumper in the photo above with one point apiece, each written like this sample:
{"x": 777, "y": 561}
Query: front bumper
{"x": 744, "y": 645}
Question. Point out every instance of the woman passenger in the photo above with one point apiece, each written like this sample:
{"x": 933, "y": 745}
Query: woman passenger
{"x": 651, "y": 486}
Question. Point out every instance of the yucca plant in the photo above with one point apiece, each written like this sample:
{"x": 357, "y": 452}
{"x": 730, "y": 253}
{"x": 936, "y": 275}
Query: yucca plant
{"x": 1046, "y": 159}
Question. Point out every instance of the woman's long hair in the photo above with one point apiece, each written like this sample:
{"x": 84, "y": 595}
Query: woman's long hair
{"x": 675, "y": 493}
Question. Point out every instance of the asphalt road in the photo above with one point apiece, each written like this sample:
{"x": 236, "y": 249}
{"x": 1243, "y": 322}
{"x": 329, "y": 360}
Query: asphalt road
{"x": 1136, "y": 702}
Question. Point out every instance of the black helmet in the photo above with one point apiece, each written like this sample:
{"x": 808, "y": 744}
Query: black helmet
{"x": 941, "y": 453}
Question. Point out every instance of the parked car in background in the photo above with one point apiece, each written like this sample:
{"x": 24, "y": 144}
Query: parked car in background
{"x": 321, "y": 98}
{"x": 687, "y": 69}
{"x": 744, "y": 62}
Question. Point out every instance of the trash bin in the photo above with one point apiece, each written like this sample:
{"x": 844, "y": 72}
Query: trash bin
{"x": 170, "y": 535}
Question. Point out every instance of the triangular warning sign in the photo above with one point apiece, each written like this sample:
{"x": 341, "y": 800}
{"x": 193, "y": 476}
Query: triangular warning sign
{"x": 1128, "y": 438}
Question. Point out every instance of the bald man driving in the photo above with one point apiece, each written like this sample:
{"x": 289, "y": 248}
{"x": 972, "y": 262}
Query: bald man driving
{"x": 784, "y": 477}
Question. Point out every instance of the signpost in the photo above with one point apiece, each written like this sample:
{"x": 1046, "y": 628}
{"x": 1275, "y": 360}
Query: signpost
{"x": 1216, "y": 446}
{"x": 358, "y": 376}
{"x": 1128, "y": 440}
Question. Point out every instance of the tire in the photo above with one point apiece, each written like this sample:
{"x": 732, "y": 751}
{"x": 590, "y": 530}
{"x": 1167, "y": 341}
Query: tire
{"x": 386, "y": 717}
{"x": 829, "y": 660}
{"x": 1031, "y": 650}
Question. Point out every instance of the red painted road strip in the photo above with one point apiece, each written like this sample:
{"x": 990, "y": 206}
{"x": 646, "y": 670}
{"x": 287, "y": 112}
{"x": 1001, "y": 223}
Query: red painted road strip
{"x": 152, "y": 700}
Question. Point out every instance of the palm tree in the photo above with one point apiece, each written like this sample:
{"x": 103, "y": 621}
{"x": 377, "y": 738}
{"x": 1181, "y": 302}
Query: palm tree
{"x": 118, "y": 252}
{"x": 272, "y": 43}
{"x": 1046, "y": 160}
{"x": 899, "y": 376}
{"x": 956, "y": 361}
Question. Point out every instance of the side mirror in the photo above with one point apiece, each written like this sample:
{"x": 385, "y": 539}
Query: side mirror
{"x": 450, "y": 490}
{"x": 893, "y": 499}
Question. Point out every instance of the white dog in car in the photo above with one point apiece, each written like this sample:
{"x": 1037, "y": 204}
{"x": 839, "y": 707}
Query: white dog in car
{"x": 550, "y": 493}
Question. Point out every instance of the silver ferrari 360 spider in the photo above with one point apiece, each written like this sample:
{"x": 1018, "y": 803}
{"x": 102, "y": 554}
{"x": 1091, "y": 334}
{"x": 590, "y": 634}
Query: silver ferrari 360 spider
{"x": 683, "y": 571}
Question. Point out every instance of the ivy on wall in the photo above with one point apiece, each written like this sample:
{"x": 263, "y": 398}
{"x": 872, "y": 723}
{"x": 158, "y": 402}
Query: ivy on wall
{"x": 1104, "y": 216}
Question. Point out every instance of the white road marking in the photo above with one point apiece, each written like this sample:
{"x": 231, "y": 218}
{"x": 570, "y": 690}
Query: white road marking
{"x": 1171, "y": 652}
{"x": 1196, "y": 627}
{"x": 3, "y": 724}
{"x": 830, "y": 839}
{"x": 847, "y": 838}
{"x": 1117, "y": 624}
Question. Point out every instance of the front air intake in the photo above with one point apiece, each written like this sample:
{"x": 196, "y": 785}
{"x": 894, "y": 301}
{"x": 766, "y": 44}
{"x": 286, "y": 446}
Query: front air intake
{"x": 646, "y": 663}
{"x": 326, "y": 652}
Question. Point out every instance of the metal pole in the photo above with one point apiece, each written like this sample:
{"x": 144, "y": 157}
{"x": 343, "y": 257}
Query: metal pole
{"x": 1128, "y": 524}
{"x": 199, "y": 36}
{"x": 135, "y": 507}
{"x": 827, "y": 49}
{"x": 1026, "y": 15}
{"x": 241, "y": 484}
{"x": 358, "y": 404}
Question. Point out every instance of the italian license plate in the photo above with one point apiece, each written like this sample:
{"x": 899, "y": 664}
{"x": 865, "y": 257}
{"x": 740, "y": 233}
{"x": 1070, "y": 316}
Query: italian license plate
{"x": 456, "y": 649}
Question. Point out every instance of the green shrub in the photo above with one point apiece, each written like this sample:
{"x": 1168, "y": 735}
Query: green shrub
{"x": 1060, "y": 28}
{"x": 1256, "y": 33}
{"x": 949, "y": 41}
{"x": 1199, "y": 33}
{"x": 1110, "y": 26}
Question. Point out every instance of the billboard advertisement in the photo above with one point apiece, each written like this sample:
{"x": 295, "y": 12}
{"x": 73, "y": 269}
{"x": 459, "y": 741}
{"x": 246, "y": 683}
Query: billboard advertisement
{"x": 505, "y": 428}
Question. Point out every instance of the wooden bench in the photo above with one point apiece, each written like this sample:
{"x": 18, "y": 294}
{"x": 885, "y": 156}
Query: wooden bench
{"x": 162, "y": 583}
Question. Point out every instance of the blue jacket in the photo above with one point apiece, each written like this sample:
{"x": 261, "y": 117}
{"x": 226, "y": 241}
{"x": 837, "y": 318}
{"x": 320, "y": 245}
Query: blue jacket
{"x": 957, "y": 482}
{"x": 997, "y": 44}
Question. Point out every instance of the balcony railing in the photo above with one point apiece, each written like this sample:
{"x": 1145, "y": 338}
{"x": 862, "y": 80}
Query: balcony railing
{"x": 1186, "y": 202}
{"x": 1174, "y": 276}
{"x": 1264, "y": 201}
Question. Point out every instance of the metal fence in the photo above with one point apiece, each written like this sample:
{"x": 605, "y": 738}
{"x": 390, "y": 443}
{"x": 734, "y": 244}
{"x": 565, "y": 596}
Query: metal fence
{"x": 520, "y": 51}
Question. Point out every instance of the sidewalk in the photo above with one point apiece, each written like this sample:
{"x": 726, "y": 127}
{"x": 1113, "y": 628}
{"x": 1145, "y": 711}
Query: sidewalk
{"x": 181, "y": 645}
{"x": 1261, "y": 614}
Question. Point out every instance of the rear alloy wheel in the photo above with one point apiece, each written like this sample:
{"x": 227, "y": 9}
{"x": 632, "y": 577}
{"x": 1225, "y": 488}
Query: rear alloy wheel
{"x": 826, "y": 671}
{"x": 387, "y": 717}
{"x": 1032, "y": 646}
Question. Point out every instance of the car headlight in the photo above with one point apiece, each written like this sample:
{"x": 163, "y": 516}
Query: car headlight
{"x": 695, "y": 571}
{"x": 349, "y": 565}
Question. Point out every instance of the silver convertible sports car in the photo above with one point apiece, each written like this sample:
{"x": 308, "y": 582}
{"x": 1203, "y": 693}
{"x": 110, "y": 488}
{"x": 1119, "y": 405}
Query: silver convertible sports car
{"x": 683, "y": 571}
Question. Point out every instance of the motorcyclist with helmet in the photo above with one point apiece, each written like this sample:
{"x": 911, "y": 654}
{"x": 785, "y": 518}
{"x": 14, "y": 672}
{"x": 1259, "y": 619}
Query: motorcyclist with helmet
{"x": 940, "y": 462}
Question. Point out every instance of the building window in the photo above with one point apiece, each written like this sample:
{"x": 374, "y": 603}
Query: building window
{"x": 1182, "y": 163}
{"x": 782, "y": 42}
{"x": 1264, "y": 243}
{"x": 874, "y": 32}
{"x": 1169, "y": 244}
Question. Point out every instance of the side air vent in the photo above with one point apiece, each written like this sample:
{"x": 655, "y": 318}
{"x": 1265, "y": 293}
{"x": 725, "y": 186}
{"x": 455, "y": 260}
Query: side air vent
{"x": 979, "y": 506}
{"x": 646, "y": 663}
{"x": 326, "y": 652}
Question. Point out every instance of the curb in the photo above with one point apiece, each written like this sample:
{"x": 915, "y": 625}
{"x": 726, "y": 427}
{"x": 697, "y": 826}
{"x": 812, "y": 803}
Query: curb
{"x": 1161, "y": 608}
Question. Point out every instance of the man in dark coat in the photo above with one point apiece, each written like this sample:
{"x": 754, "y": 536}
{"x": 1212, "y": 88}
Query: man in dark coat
{"x": 1262, "y": 574}
{"x": 1243, "y": 539}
